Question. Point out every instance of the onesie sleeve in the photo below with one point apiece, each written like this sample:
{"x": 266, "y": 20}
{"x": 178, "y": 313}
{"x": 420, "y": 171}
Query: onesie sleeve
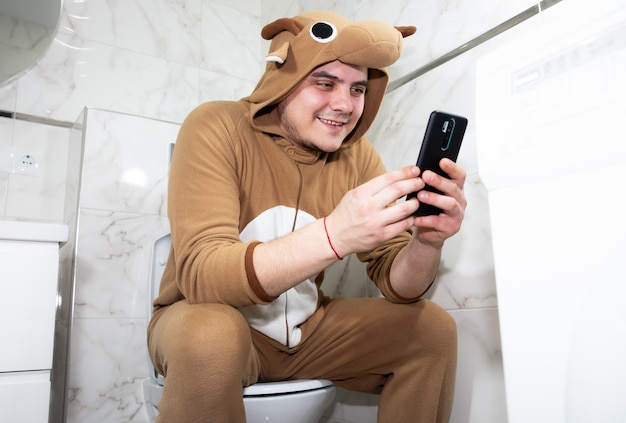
{"x": 379, "y": 261}
{"x": 204, "y": 208}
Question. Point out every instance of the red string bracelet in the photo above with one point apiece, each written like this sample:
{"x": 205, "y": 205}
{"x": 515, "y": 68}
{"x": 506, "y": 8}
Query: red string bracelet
{"x": 329, "y": 241}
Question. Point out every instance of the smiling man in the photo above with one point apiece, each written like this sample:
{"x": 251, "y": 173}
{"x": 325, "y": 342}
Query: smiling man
{"x": 325, "y": 107}
{"x": 267, "y": 192}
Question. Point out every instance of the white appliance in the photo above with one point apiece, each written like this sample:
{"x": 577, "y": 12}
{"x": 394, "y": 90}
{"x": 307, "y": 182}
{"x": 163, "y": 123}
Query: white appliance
{"x": 551, "y": 142}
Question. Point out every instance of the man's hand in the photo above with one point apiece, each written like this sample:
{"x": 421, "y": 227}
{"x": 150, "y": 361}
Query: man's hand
{"x": 368, "y": 216}
{"x": 434, "y": 230}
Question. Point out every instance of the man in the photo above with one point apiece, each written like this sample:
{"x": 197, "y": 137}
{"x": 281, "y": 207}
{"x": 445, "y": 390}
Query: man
{"x": 267, "y": 192}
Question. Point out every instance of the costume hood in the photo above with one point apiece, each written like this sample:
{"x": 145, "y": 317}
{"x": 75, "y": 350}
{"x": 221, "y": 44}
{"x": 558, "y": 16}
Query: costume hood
{"x": 302, "y": 43}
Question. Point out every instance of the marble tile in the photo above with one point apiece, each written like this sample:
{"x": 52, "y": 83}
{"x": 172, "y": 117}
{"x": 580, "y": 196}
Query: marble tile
{"x": 39, "y": 197}
{"x": 113, "y": 262}
{"x": 8, "y": 95}
{"x": 342, "y": 7}
{"x": 479, "y": 394}
{"x": 283, "y": 9}
{"x": 399, "y": 128}
{"x": 107, "y": 365}
{"x": 6, "y": 141}
{"x": 126, "y": 162}
{"x": 217, "y": 86}
{"x": 442, "y": 26}
{"x": 466, "y": 277}
{"x": 77, "y": 72}
{"x": 4, "y": 182}
{"x": 161, "y": 28}
{"x": 7, "y": 125}
{"x": 226, "y": 49}
{"x": 346, "y": 279}
{"x": 252, "y": 7}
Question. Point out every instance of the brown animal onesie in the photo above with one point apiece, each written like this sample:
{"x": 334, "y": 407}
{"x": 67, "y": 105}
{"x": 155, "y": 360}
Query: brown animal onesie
{"x": 236, "y": 181}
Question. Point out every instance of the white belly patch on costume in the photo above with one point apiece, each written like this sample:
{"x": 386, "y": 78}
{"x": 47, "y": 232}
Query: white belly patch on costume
{"x": 281, "y": 319}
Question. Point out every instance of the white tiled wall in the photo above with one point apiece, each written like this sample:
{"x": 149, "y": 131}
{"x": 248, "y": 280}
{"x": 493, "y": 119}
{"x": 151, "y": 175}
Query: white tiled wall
{"x": 121, "y": 211}
{"x": 140, "y": 67}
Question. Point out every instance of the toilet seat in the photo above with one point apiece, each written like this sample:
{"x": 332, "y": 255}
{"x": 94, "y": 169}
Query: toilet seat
{"x": 285, "y": 387}
{"x": 270, "y": 388}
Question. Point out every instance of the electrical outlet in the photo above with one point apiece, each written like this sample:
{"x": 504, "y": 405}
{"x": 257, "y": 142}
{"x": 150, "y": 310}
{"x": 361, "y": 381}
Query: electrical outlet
{"x": 20, "y": 162}
{"x": 26, "y": 163}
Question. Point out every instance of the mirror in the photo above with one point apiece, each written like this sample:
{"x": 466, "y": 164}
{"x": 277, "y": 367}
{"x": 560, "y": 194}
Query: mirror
{"x": 27, "y": 28}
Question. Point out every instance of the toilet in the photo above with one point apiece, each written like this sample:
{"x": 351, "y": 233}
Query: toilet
{"x": 302, "y": 401}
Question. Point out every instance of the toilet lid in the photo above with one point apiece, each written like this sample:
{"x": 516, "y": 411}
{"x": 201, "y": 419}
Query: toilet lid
{"x": 285, "y": 387}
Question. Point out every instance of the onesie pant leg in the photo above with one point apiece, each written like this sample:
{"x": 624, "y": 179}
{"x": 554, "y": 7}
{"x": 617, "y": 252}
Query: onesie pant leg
{"x": 421, "y": 387}
{"x": 405, "y": 352}
{"x": 205, "y": 352}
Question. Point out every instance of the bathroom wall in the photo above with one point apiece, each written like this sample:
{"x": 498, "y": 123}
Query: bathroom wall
{"x": 153, "y": 58}
{"x": 140, "y": 66}
{"x": 122, "y": 210}
{"x": 150, "y": 62}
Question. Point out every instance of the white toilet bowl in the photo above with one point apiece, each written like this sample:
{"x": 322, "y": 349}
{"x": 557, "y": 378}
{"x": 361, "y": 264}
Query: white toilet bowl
{"x": 302, "y": 401}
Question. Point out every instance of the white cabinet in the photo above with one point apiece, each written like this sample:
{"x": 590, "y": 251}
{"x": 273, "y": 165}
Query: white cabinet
{"x": 24, "y": 396}
{"x": 29, "y": 260}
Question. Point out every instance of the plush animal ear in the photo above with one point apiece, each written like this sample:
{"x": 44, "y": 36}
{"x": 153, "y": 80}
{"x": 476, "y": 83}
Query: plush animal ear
{"x": 406, "y": 30}
{"x": 270, "y": 30}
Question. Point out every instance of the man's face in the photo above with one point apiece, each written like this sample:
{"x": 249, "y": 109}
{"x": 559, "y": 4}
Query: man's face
{"x": 325, "y": 107}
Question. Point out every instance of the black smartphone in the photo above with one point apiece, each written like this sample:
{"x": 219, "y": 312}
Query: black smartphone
{"x": 443, "y": 137}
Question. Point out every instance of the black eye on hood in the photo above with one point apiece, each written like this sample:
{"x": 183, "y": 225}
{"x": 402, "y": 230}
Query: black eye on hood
{"x": 323, "y": 32}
